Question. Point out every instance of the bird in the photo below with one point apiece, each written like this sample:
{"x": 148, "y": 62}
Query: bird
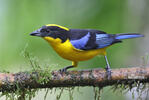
{"x": 80, "y": 44}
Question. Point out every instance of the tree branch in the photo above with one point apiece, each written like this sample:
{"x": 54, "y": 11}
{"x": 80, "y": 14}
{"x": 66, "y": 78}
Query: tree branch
{"x": 95, "y": 77}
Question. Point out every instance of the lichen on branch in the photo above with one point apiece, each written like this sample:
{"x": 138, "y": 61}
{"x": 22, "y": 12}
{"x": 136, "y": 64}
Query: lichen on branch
{"x": 95, "y": 77}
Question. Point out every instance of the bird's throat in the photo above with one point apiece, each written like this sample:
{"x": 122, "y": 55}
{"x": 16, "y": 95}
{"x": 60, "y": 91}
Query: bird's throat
{"x": 53, "y": 41}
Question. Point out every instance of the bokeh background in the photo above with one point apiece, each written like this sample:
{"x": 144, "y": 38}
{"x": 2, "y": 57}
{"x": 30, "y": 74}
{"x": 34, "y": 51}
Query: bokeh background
{"x": 18, "y": 18}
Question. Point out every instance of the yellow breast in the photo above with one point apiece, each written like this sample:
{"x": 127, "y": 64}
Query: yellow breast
{"x": 67, "y": 51}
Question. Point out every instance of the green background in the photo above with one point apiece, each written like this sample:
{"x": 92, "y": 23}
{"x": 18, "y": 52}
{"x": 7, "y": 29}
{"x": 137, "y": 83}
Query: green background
{"x": 18, "y": 18}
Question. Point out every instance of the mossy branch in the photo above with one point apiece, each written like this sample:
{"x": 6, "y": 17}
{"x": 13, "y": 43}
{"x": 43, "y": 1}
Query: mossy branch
{"x": 95, "y": 77}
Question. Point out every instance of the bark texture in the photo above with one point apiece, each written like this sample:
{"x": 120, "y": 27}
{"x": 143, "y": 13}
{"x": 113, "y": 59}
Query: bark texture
{"x": 95, "y": 77}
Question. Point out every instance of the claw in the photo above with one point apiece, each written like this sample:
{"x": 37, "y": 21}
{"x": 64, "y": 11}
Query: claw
{"x": 108, "y": 73}
{"x": 65, "y": 69}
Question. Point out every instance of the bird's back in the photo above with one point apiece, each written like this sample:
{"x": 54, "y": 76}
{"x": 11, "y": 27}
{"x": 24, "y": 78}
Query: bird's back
{"x": 89, "y": 39}
{"x": 76, "y": 34}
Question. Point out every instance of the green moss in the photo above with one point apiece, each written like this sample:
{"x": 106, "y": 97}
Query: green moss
{"x": 97, "y": 92}
{"x": 19, "y": 94}
{"x": 24, "y": 93}
{"x": 44, "y": 72}
{"x": 134, "y": 86}
{"x": 60, "y": 94}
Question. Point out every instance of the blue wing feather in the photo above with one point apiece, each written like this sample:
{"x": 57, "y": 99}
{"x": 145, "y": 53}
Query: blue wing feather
{"x": 80, "y": 43}
{"x": 101, "y": 41}
{"x": 128, "y": 36}
{"x": 104, "y": 40}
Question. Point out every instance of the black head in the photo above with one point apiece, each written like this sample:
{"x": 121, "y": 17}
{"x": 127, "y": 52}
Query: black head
{"x": 52, "y": 30}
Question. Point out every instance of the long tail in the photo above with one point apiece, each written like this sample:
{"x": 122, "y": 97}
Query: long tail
{"x": 127, "y": 36}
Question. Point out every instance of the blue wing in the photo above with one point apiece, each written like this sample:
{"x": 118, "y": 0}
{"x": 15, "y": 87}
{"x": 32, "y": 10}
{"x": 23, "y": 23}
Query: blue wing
{"x": 94, "y": 41}
{"x": 104, "y": 40}
{"x": 81, "y": 43}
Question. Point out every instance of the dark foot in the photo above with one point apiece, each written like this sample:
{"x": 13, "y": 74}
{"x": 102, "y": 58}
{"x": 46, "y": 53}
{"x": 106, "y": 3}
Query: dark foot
{"x": 65, "y": 69}
{"x": 108, "y": 72}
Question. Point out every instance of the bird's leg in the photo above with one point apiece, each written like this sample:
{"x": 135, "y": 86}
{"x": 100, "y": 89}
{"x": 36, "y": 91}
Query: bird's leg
{"x": 74, "y": 64}
{"x": 65, "y": 68}
{"x": 108, "y": 69}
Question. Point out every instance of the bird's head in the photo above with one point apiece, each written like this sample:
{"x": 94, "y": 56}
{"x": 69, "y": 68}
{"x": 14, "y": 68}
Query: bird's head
{"x": 51, "y": 32}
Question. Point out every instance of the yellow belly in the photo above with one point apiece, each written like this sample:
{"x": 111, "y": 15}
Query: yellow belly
{"x": 67, "y": 51}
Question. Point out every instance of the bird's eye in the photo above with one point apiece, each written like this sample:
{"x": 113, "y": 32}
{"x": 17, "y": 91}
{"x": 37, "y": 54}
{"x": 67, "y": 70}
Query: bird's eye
{"x": 45, "y": 30}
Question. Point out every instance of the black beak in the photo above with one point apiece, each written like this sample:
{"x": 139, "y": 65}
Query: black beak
{"x": 35, "y": 33}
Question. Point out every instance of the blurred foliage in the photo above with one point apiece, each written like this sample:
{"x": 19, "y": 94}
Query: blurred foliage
{"x": 18, "y": 18}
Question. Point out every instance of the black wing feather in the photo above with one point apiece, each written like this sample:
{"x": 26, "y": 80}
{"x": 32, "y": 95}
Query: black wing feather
{"x": 91, "y": 39}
